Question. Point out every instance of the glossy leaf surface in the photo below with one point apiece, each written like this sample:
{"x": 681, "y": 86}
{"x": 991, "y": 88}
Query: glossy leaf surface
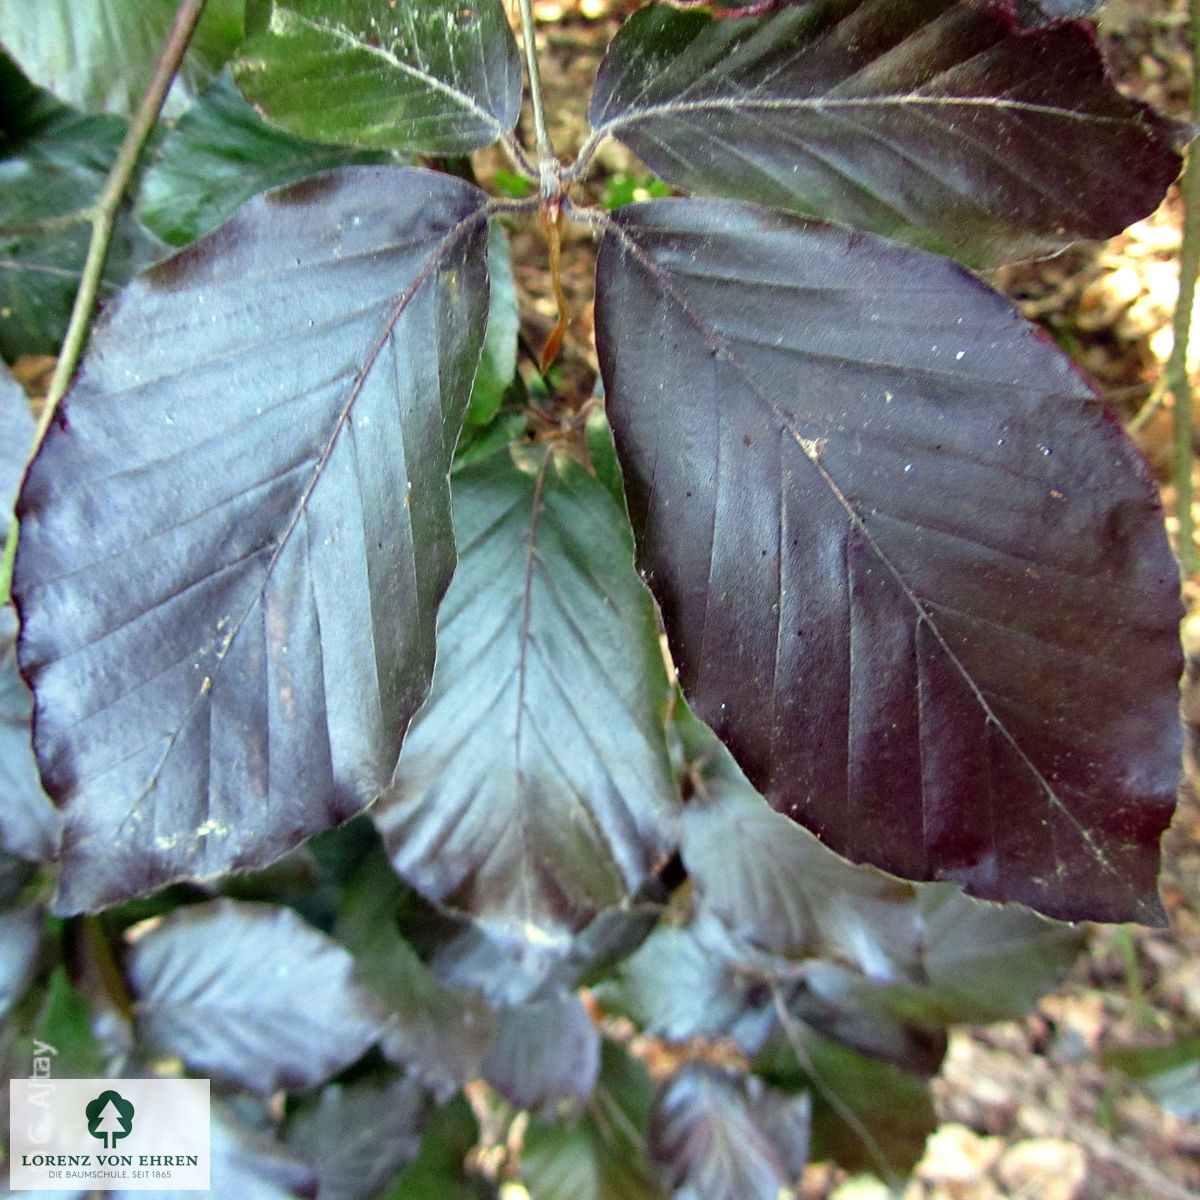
{"x": 912, "y": 572}
{"x": 236, "y": 534}
{"x": 438, "y": 77}
{"x": 99, "y": 54}
{"x": 218, "y": 155}
{"x": 923, "y": 954}
{"x": 726, "y": 1138}
{"x": 52, "y": 168}
{"x": 250, "y": 994}
{"x": 933, "y": 121}
{"x": 534, "y": 788}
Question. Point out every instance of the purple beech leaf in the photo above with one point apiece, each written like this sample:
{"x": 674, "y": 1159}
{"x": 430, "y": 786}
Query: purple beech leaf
{"x": 546, "y": 1050}
{"x": 912, "y": 571}
{"x": 725, "y": 1137}
{"x": 251, "y": 994}
{"x": 934, "y": 121}
{"x": 534, "y": 789}
{"x": 30, "y": 825}
{"x": 935, "y": 956}
{"x": 236, "y": 534}
{"x": 434, "y": 77}
{"x": 360, "y": 1135}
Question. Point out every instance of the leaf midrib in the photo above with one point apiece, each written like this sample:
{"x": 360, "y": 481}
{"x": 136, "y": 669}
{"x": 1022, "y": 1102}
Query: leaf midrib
{"x": 463, "y": 99}
{"x": 811, "y": 450}
{"x": 820, "y": 104}
{"x": 448, "y": 239}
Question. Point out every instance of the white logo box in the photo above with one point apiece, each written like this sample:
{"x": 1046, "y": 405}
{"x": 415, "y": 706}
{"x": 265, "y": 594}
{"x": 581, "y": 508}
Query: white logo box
{"x": 52, "y": 1149}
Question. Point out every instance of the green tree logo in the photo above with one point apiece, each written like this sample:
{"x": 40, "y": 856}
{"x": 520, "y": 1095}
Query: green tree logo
{"x": 109, "y": 1117}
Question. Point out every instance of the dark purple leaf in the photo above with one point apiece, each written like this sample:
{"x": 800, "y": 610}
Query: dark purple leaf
{"x": 695, "y": 980}
{"x": 236, "y": 534}
{"x": 934, "y": 121}
{"x": 534, "y": 788}
{"x": 912, "y": 572}
{"x": 251, "y": 994}
{"x": 924, "y": 953}
{"x": 729, "y": 1138}
{"x": 506, "y": 974}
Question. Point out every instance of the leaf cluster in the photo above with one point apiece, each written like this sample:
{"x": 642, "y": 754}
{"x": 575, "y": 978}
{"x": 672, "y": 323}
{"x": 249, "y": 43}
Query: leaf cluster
{"x": 367, "y": 783}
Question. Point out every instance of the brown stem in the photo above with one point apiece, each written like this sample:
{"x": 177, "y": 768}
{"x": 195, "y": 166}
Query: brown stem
{"x": 1178, "y": 382}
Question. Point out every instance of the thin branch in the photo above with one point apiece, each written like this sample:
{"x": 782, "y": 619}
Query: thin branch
{"x": 104, "y": 218}
{"x": 547, "y": 160}
{"x": 1178, "y": 382}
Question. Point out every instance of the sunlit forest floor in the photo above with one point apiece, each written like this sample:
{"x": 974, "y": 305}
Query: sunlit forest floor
{"x": 1065, "y": 1105}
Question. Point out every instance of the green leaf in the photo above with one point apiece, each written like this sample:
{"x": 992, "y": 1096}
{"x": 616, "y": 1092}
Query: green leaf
{"x": 99, "y": 55}
{"x": 438, "y": 77}
{"x": 499, "y": 360}
{"x": 53, "y": 162}
{"x": 441, "y": 1034}
{"x": 602, "y": 1155}
{"x": 1170, "y": 1074}
{"x": 218, "y": 155}
{"x": 549, "y": 669}
{"x": 250, "y": 994}
{"x": 439, "y": 1171}
{"x": 237, "y": 531}
{"x": 866, "y": 1114}
{"x": 65, "y": 1022}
